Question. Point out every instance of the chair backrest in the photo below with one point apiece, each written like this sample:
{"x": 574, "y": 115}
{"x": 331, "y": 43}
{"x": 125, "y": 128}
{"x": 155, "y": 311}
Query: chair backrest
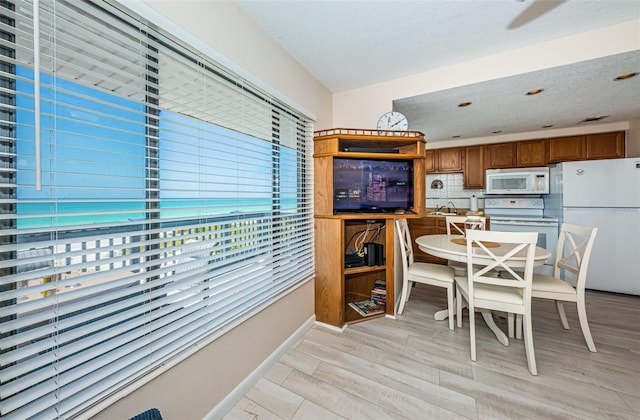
{"x": 573, "y": 252}
{"x": 455, "y": 225}
{"x": 521, "y": 245}
{"x": 406, "y": 247}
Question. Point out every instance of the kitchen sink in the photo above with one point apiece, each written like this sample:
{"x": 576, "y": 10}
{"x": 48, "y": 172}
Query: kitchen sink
{"x": 442, "y": 213}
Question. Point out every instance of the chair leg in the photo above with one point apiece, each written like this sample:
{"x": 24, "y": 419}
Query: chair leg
{"x": 584, "y": 324}
{"x": 519, "y": 326}
{"x": 404, "y": 297}
{"x": 528, "y": 345}
{"x": 472, "y": 333}
{"x": 511, "y": 320}
{"x": 409, "y": 288}
{"x": 450, "y": 303}
{"x": 563, "y": 316}
{"x": 459, "y": 299}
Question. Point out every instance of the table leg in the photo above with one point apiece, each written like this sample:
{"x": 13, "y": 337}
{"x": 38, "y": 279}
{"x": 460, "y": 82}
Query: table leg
{"x": 500, "y": 335}
{"x": 443, "y": 314}
{"x": 488, "y": 319}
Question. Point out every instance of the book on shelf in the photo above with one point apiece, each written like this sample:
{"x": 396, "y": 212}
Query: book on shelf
{"x": 378, "y": 297}
{"x": 367, "y": 307}
{"x": 380, "y": 284}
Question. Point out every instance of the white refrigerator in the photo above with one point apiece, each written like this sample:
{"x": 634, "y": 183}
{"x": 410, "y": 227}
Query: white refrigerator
{"x": 604, "y": 194}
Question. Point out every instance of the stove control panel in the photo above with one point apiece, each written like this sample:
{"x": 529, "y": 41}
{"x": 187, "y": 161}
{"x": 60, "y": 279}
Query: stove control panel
{"x": 513, "y": 203}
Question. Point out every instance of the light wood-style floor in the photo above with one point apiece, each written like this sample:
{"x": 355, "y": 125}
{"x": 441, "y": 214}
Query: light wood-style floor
{"x": 416, "y": 368}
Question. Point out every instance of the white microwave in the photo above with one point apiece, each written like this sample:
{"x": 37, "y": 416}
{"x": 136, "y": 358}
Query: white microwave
{"x": 517, "y": 181}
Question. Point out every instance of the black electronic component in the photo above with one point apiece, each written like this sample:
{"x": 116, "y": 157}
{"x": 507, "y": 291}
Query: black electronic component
{"x": 373, "y": 254}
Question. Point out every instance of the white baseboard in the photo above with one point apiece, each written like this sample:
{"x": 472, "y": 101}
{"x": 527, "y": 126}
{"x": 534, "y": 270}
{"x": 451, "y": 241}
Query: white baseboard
{"x": 239, "y": 391}
{"x": 331, "y": 327}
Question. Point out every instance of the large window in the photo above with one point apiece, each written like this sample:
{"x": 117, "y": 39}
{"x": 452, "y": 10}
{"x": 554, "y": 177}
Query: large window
{"x": 164, "y": 199}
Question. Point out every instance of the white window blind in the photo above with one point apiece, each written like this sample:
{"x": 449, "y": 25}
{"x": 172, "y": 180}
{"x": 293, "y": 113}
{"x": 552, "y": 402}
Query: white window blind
{"x": 176, "y": 200}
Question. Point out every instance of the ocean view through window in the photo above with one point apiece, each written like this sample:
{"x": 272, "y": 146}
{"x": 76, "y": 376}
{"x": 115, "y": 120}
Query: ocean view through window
{"x": 175, "y": 200}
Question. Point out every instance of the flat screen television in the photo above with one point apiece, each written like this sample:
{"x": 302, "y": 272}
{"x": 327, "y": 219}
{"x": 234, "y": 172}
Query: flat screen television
{"x": 372, "y": 185}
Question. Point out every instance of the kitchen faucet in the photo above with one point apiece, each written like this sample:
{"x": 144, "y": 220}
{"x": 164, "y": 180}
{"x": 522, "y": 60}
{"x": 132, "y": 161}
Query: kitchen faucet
{"x": 455, "y": 210}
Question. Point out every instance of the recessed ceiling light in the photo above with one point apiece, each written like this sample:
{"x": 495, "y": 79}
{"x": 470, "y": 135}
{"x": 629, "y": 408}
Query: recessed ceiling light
{"x": 535, "y": 91}
{"x": 463, "y": 104}
{"x": 592, "y": 119}
{"x": 547, "y": 126}
{"x": 497, "y": 132}
{"x": 455, "y": 137}
{"x": 626, "y": 76}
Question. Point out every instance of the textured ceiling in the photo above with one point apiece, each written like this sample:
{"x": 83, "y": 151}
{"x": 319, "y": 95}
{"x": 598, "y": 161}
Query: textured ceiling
{"x": 351, "y": 44}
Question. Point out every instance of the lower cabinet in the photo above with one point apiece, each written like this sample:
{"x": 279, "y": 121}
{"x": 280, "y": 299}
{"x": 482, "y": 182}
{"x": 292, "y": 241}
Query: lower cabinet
{"x": 341, "y": 278}
{"x": 426, "y": 226}
{"x": 431, "y": 225}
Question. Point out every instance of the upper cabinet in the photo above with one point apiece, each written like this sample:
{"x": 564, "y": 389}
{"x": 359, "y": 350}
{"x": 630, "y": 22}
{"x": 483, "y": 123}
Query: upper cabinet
{"x": 500, "y": 155}
{"x": 564, "y": 149}
{"x": 474, "y": 160}
{"x": 592, "y": 146}
{"x": 474, "y": 167}
{"x": 445, "y": 160}
{"x": 605, "y": 146}
{"x": 430, "y": 161}
{"x": 531, "y": 153}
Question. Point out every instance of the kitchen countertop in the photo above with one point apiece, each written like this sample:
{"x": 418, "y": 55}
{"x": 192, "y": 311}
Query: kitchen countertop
{"x": 461, "y": 212}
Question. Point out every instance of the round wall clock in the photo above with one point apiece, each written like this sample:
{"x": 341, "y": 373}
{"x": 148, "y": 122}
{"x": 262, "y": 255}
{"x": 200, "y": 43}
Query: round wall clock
{"x": 393, "y": 121}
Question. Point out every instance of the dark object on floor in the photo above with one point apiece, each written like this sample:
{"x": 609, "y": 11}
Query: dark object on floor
{"x": 150, "y": 414}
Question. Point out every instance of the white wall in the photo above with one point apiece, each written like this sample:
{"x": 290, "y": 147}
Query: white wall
{"x": 633, "y": 139}
{"x": 361, "y": 108}
{"x": 195, "y": 386}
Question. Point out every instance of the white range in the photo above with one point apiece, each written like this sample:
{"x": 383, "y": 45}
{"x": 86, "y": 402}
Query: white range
{"x": 524, "y": 214}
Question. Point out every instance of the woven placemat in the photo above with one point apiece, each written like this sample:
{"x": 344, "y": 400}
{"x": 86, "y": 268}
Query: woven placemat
{"x": 488, "y": 244}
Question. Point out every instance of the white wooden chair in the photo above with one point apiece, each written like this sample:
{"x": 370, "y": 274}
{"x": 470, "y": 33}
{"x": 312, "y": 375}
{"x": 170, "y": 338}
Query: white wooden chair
{"x": 483, "y": 291}
{"x": 455, "y": 226}
{"x": 421, "y": 272}
{"x": 572, "y": 259}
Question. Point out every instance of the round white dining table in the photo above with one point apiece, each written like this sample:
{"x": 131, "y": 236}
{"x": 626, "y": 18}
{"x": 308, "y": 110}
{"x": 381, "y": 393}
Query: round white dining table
{"x": 442, "y": 246}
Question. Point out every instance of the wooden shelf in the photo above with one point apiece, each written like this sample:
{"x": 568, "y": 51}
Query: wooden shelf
{"x": 364, "y": 269}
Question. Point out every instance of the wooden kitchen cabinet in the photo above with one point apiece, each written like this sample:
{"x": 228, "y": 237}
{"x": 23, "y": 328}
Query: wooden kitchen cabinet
{"x": 563, "y": 149}
{"x": 591, "y": 146}
{"x": 426, "y": 226}
{"x": 449, "y": 160}
{"x": 605, "y": 146}
{"x": 431, "y": 225}
{"x": 500, "y": 155}
{"x": 430, "y": 161}
{"x": 531, "y": 153}
{"x": 474, "y": 167}
{"x": 445, "y": 160}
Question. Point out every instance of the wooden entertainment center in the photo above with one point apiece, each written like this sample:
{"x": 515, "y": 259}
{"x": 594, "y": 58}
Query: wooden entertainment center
{"x": 335, "y": 284}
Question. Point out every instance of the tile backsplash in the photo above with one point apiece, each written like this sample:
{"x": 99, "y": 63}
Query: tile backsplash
{"x": 452, "y": 190}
